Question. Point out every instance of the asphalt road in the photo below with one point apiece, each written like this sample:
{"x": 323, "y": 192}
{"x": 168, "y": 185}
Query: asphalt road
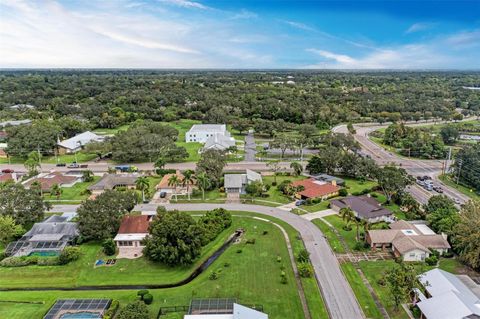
{"x": 415, "y": 167}
{"x": 338, "y": 296}
{"x": 250, "y": 148}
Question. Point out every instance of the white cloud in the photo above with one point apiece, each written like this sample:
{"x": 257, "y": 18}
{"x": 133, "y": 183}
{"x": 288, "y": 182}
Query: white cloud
{"x": 340, "y": 58}
{"x": 467, "y": 38}
{"x": 298, "y": 25}
{"x": 185, "y": 4}
{"x": 245, "y": 14}
{"x": 420, "y": 26}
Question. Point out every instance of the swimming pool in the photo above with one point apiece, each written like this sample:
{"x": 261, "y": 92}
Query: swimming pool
{"x": 44, "y": 253}
{"x": 81, "y": 315}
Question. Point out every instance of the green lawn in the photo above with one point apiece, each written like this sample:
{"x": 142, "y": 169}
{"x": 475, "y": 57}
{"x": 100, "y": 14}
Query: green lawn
{"x": 332, "y": 238}
{"x": 355, "y": 186}
{"x": 67, "y": 158}
{"x": 461, "y": 188}
{"x": 253, "y": 277}
{"x": 361, "y": 292}
{"x": 348, "y": 236}
{"x": 111, "y": 131}
{"x": 76, "y": 192}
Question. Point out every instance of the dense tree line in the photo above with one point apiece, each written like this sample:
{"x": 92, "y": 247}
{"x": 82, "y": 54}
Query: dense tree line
{"x": 111, "y": 98}
{"x": 467, "y": 166}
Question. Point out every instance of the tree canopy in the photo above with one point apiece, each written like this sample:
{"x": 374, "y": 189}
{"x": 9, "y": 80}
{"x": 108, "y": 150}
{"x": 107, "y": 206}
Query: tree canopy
{"x": 25, "y": 206}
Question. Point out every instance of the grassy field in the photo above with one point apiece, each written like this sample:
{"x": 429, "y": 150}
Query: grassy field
{"x": 348, "y": 236}
{"x": 252, "y": 276}
{"x": 332, "y": 238}
{"x": 461, "y": 188}
{"x": 361, "y": 292}
{"x": 76, "y": 192}
{"x": 67, "y": 158}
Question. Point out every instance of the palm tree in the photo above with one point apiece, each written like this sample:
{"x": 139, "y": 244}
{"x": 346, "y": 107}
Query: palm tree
{"x": 366, "y": 226}
{"x": 37, "y": 186}
{"x": 142, "y": 184}
{"x": 203, "y": 182}
{"x": 187, "y": 180}
{"x": 56, "y": 190}
{"x": 297, "y": 168}
{"x": 87, "y": 176}
{"x": 174, "y": 181}
{"x": 347, "y": 215}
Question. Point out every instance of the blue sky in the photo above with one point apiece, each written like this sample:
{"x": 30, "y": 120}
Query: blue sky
{"x": 331, "y": 34}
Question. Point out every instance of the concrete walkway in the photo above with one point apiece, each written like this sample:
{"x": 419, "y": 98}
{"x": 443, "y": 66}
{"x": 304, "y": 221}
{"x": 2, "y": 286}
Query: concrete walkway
{"x": 319, "y": 214}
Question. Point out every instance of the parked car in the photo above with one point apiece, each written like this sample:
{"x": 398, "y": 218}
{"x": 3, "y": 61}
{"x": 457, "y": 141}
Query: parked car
{"x": 7, "y": 170}
{"x": 83, "y": 165}
{"x": 456, "y": 201}
{"x": 299, "y": 202}
{"x": 420, "y": 182}
{"x": 163, "y": 194}
{"x": 61, "y": 164}
{"x": 73, "y": 165}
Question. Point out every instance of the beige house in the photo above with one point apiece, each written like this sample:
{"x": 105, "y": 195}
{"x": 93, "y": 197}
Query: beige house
{"x": 112, "y": 181}
{"x": 132, "y": 231}
{"x": 180, "y": 189}
{"x": 412, "y": 242}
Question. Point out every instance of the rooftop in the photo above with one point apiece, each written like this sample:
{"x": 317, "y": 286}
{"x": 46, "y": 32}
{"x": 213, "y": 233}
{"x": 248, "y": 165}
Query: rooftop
{"x": 134, "y": 224}
{"x": 110, "y": 181}
{"x": 208, "y": 128}
{"x": 80, "y": 140}
{"x": 364, "y": 206}
{"x": 314, "y": 189}
{"x": 220, "y": 140}
{"x": 48, "y": 180}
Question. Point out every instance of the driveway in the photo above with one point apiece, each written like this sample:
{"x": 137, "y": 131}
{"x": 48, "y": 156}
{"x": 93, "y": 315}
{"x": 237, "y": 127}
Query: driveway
{"x": 250, "y": 148}
{"x": 320, "y": 214}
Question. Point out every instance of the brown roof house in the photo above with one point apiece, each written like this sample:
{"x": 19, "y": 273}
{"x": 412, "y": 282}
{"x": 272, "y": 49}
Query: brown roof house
{"x": 180, "y": 189}
{"x": 47, "y": 180}
{"x": 132, "y": 231}
{"x": 112, "y": 181}
{"x": 364, "y": 207}
{"x": 316, "y": 189}
{"x": 411, "y": 241}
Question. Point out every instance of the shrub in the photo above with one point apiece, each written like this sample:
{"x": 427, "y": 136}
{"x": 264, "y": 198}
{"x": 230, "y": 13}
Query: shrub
{"x": 374, "y": 195}
{"x": 148, "y": 299}
{"x": 48, "y": 261}
{"x": 305, "y": 270}
{"x": 283, "y": 277}
{"x": 359, "y": 245}
{"x": 279, "y": 259}
{"x": 265, "y": 232}
{"x": 303, "y": 256}
{"x": 274, "y": 183}
{"x": 213, "y": 275}
{"x": 109, "y": 247}
{"x": 251, "y": 241}
{"x": 69, "y": 254}
{"x": 347, "y": 228}
{"x": 432, "y": 260}
{"x": 226, "y": 265}
{"x": 308, "y": 201}
{"x": 239, "y": 251}
{"x": 112, "y": 310}
{"x": 343, "y": 192}
{"x": 16, "y": 261}
{"x": 381, "y": 282}
{"x": 142, "y": 293}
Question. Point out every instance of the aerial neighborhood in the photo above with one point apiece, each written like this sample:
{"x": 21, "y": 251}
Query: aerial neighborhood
{"x": 244, "y": 207}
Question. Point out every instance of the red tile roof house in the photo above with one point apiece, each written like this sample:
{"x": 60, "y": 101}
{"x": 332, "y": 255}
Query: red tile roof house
{"x": 316, "y": 189}
{"x": 48, "y": 180}
{"x": 132, "y": 231}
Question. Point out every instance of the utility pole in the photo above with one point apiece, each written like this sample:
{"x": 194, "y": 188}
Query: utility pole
{"x": 39, "y": 158}
{"x": 459, "y": 170}
{"x": 447, "y": 161}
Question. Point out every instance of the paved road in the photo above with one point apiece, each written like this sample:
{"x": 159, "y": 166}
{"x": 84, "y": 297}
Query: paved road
{"x": 250, "y": 148}
{"x": 415, "y": 167}
{"x": 338, "y": 295}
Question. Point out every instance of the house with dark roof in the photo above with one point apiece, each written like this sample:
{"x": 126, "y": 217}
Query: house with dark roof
{"x": 364, "y": 207}
{"x": 130, "y": 235}
{"x": 313, "y": 188}
{"x": 112, "y": 181}
{"x": 51, "y": 235}
{"x": 411, "y": 241}
{"x": 237, "y": 183}
{"x": 329, "y": 179}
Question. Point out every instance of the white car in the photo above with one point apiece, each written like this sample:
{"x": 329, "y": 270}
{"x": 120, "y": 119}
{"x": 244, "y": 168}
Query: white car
{"x": 456, "y": 201}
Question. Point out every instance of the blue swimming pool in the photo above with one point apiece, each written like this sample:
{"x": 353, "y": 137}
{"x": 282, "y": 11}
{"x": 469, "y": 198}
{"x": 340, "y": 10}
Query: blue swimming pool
{"x": 82, "y": 315}
{"x": 44, "y": 253}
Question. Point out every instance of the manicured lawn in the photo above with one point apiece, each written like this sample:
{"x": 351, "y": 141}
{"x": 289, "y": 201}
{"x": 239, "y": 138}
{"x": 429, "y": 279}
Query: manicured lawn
{"x": 332, "y": 238}
{"x": 349, "y": 236}
{"x": 356, "y": 186}
{"x": 252, "y": 277}
{"x": 316, "y": 207}
{"x": 461, "y": 188}
{"x": 274, "y": 194}
{"x": 67, "y": 158}
{"x": 76, "y": 192}
{"x": 361, "y": 291}
{"x": 111, "y": 131}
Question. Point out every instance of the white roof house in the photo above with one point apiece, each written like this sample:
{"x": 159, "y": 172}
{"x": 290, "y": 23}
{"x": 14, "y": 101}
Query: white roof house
{"x": 15, "y": 123}
{"x": 201, "y": 132}
{"x": 75, "y": 143}
{"x": 449, "y": 298}
{"x": 219, "y": 142}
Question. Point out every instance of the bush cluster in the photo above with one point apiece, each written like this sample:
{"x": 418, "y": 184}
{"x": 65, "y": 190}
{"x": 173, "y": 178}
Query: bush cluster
{"x": 214, "y": 222}
{"x": 69, "y": 254}
{"x": 29, "y": 260}
{"x": 112, "y": 310}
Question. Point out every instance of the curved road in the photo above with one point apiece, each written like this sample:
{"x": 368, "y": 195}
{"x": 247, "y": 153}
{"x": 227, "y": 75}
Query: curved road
{"x": 415, "y": 167}
{"x": 337, "y": 294}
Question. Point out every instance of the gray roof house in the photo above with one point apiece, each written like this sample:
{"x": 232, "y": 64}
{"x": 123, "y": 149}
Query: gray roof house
{"x": 236, "y": 183}
{"x": 218, "y": 142}
{"x": 329, "y": 179}
{"x": 51, "y": 235}
{"x": 364, "y": 207}
{"x": 447, "y": 297}
{"x": 14, "y": 123}
{"x": 111, "y": 181}
{"x": 78, "y": 141}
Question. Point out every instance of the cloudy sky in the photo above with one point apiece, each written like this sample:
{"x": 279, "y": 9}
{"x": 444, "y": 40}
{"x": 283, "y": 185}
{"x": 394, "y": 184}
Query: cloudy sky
{"x": 401, "y": 34}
